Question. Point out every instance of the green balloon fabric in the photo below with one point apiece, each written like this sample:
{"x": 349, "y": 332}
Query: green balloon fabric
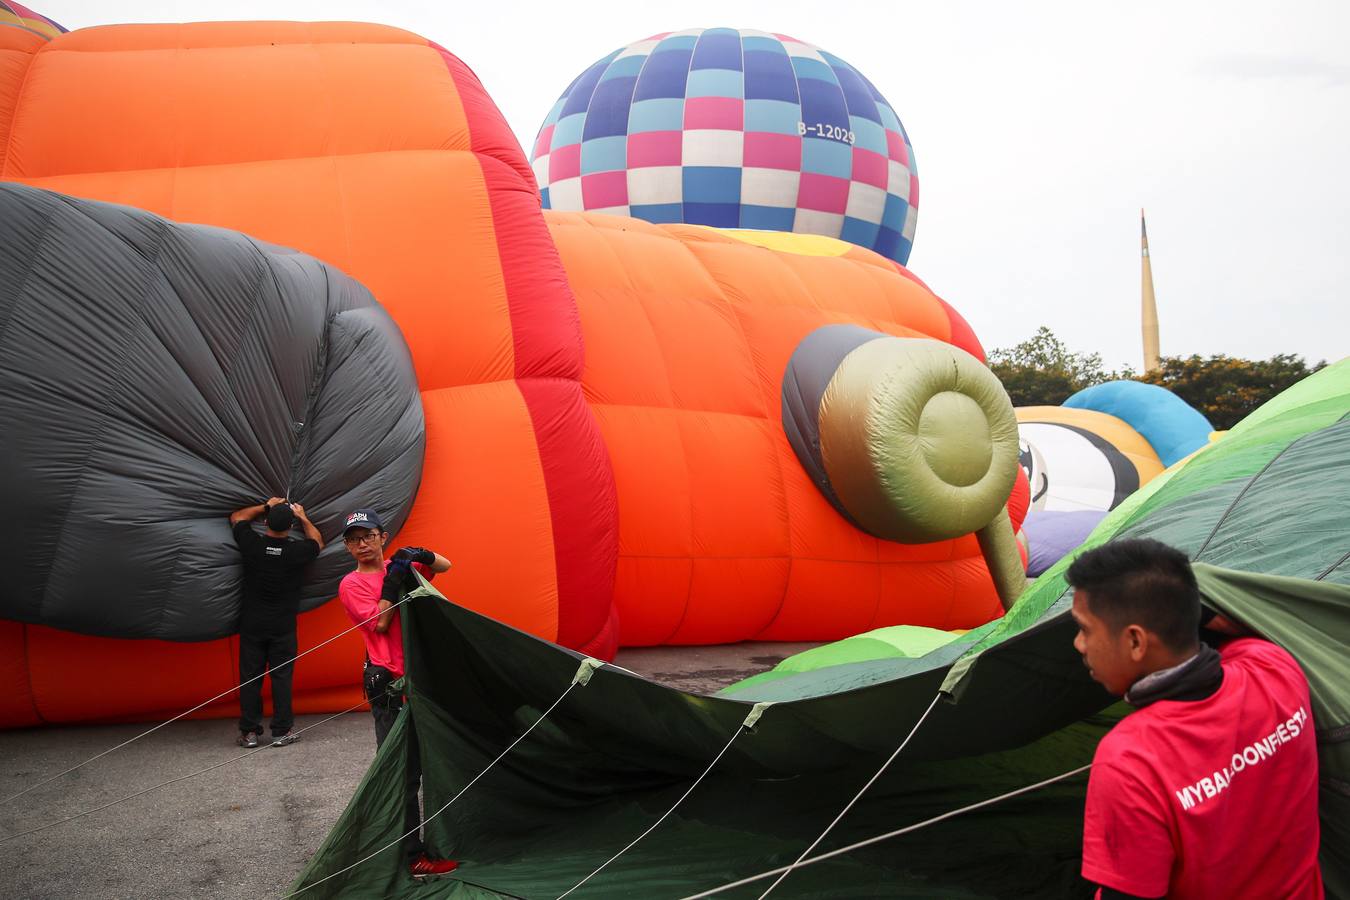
{"x": 894, "y": 642}
{"x": 919, "y": 439}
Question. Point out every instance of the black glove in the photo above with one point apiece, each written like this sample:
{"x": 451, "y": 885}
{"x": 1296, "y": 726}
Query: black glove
{"x": 415, "y": 554}
{"x": 398, "y": 577}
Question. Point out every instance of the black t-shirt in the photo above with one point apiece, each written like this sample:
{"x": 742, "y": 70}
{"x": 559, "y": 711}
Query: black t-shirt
{"x": 272, "y": 572}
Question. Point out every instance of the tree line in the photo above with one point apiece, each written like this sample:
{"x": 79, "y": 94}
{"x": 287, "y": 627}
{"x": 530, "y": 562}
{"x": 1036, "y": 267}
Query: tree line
{"x": 1044, "y": 371}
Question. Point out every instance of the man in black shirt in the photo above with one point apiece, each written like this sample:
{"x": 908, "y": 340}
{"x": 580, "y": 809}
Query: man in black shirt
{"x": 273, "y": 565}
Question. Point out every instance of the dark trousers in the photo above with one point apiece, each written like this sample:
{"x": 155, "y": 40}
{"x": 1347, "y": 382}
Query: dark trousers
{"x": 259, "y": 653}
{"x": 385, "y": 705}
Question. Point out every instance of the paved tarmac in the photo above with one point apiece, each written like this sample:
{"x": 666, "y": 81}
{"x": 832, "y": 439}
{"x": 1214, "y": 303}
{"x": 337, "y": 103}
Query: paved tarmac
{"x": 242, "y": 830}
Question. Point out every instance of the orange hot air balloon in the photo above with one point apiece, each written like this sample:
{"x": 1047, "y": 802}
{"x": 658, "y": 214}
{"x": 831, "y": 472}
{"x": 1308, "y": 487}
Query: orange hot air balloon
{"x": 378, "y": 152}
{"x": 722, "y": 535}
{"x": 606, "y": 462}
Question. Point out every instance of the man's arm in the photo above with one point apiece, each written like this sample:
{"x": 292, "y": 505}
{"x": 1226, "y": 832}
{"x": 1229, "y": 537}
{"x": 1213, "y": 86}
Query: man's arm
{"x": 430, "y": 560}
{"x": 386, "y": 616}
{"x": 1224, "y": 625}
{"x": 306, "y": 525}
{"x": 1216, "y": 628}
{"x": 395, "y": 579}
{"x": 1127, "y": 845}
{"x": 360, "y": 608}
{"x": 249, "y": 513}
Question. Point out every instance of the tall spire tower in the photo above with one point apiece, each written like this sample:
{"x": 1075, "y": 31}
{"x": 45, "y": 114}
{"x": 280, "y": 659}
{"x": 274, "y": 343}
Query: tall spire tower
{"x": 1152, "y": 362}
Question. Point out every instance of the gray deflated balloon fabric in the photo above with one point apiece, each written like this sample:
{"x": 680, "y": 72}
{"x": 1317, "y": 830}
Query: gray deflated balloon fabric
{"x": 154, "y": 377}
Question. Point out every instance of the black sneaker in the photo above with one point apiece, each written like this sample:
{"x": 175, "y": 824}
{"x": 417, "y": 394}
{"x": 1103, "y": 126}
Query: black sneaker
{"x": 286, "y": 740}
{"x": 247, "y": 739}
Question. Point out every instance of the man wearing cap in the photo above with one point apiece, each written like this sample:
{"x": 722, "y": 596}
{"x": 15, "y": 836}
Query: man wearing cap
{"x": 368, "y": 595}
{"x": 273, "y": 567}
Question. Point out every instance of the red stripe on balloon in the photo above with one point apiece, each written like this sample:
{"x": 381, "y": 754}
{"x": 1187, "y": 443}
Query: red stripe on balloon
{"x": 584, "y": 511}
{"x": 1019, "y": 500}
{"x": 488, "y": 132}
{"x": 963, "y": 335}
{"x": 546, "y": 328}
{"x": 546, "y": 331}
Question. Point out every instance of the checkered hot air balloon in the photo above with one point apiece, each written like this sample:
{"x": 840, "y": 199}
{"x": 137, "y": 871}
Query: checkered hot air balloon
{"x": 736, "y": 129}
{"x": 17, "y": 16}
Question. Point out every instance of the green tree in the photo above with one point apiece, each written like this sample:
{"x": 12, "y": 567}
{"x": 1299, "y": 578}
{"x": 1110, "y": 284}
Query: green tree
{"x": 1043, "y": 371}
{"x": 1226, "y": 388}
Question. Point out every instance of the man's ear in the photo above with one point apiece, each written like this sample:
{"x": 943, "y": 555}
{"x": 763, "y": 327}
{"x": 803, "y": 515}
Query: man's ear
{"x": 1136, "y": 642}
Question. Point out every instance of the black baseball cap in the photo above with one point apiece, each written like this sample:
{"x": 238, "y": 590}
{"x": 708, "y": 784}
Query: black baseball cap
{"x": 280, "y": 517}
{"x": 363, "y": 518}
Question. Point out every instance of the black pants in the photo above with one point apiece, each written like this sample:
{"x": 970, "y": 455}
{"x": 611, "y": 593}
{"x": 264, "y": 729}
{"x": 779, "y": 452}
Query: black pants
{"x": 259, "y": 653}
{"x": 385, "y": 705}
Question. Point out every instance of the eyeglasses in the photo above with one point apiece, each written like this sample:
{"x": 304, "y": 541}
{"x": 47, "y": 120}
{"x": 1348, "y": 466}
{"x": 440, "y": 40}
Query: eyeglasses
{"x": 372, "y": 538}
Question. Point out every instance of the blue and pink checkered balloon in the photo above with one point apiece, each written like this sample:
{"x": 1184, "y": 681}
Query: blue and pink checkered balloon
{"x": 737, "y": 129}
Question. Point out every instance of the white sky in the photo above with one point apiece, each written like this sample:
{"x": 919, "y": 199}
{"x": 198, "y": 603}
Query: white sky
{"x": 1039, "y": 130}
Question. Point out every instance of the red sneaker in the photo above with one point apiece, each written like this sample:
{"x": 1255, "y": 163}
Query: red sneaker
{"x": 425, "y": 867}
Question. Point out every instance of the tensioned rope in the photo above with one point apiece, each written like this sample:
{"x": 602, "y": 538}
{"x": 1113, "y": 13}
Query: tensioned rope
{"x": 189, "y": 712}
{"x": 746, "y": 725}
{"x": 148, "y": 790}
{"x": 843, "y": 812}
{"x": 890, "y": 834}
{"x": 582, "y": 677}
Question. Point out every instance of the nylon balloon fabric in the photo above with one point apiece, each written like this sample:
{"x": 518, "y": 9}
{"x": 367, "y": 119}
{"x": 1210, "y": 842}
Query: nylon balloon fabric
{"x": 16, "y": 15}
{"x": 1089, "y": 459}
{"x": 733, "y": 128}
{"x": 723, "y": 534}
{"x": 1171, "y": 426}
{"x": 378, "y": 152}
{"x": 605, "y": 456}
{"x": 156, "y": 376}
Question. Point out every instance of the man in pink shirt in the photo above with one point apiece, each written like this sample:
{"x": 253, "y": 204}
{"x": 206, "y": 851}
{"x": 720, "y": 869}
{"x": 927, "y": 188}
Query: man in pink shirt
{"x": 369, "y": 594}
{"x": 1208, "y": 789}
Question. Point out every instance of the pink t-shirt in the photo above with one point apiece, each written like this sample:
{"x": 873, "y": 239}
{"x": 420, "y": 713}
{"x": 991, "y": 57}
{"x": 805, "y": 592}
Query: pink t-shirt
{"x": 1213, "y": 797}
{"x": 360, "y": 596}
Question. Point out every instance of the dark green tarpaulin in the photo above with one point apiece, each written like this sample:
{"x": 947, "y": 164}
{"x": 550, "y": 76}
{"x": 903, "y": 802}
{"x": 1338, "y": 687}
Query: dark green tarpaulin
{"x": 617, "y": 752}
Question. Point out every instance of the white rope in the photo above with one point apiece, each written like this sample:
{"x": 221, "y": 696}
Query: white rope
{"x": 193, "y": 710}
{"x": 890, "y": 834}
{"x": 843, "y": 812}
{"x": 174, "y": 780}
{"x": 740, "y": 729}
{"x": 575, "y": 681}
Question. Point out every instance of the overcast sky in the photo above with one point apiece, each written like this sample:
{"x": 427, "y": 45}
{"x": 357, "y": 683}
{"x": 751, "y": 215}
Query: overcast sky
{"x": 1039, "y": 130}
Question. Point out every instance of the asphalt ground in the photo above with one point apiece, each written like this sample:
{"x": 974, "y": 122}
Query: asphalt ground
{"x": 244, "y": 829}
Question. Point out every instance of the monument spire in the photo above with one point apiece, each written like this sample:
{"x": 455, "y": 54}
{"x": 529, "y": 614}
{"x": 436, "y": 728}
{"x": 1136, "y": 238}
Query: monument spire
{"x": 1152, "y": 361}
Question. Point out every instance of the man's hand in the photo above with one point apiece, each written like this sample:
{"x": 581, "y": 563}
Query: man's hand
{"x": 397, "y": 578}
{"x": 274, "y": 501}
{"x": 415, "y": 554}
{"x": 1224, "y": 625}
{"x": 247, "y": 513}
{"x": 429, "y": 558}
{"x": 311, "y": 531}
